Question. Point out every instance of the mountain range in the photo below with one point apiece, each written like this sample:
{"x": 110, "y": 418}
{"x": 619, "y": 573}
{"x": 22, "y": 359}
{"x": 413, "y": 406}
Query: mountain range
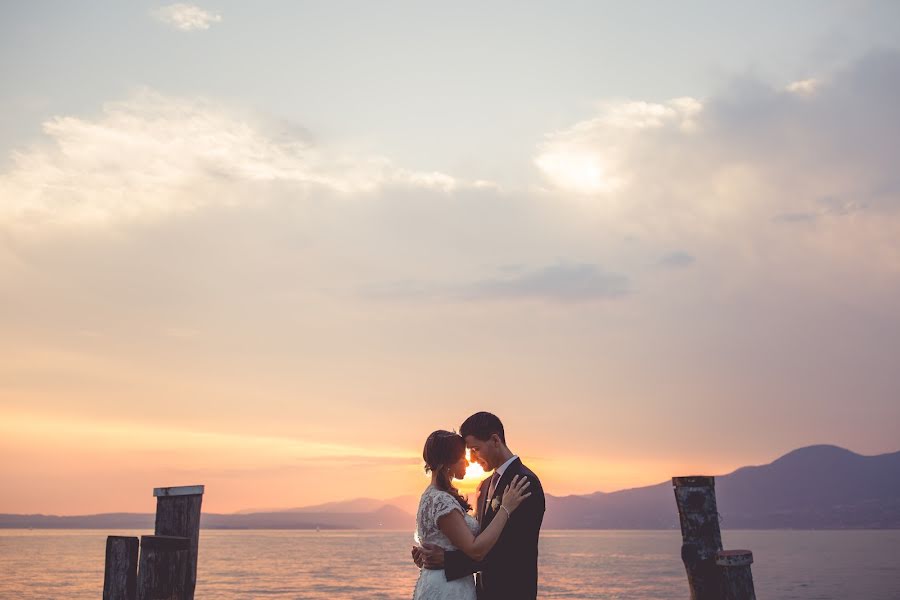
{"x": 817, "y": 487}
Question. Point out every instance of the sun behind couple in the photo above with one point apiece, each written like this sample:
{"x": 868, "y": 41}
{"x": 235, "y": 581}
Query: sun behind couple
{"x": 500, "y": 543}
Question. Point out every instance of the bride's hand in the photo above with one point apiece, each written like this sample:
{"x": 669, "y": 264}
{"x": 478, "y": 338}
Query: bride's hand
{"x": 515, "y": 493}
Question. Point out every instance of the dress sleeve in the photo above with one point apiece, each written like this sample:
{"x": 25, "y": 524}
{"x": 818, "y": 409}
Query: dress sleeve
{"x": 445, "y": 504}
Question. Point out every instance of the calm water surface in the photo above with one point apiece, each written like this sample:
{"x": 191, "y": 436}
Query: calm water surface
{"x": 638, "y": 565}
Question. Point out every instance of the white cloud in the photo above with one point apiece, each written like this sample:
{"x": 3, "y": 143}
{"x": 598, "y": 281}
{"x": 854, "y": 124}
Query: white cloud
{"x": 590, "y": 156}
{"x": 804, "y": 86}
{"x": 577, "y": 168}
{"x": 186, "y": 17}
{"x": 739, "y": 159}
{"x": 644, "y": 115}
{"x": 154, "y": 155}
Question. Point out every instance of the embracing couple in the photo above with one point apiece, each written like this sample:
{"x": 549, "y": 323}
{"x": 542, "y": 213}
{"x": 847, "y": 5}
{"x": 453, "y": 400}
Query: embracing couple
{"x": 500, "y": 543}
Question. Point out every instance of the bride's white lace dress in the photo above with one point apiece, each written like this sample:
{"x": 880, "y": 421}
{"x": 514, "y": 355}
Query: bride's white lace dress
{"x": 432, "y": 584}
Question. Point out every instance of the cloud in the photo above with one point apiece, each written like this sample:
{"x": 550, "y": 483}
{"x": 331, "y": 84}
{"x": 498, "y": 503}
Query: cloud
{"x": 138, "y": 436}
{"x": 563, "y": 282}
{"x": 186, "y": 17}
{"x": 796, "y": 217}
{"x": 677, "y": 260}
{"x": 590, "y": 158}
{"x": 153, "y": 156}
{"x": 727, "y": 170}
{"x": 804, "y": 86}
{"x": 823, "y": 207}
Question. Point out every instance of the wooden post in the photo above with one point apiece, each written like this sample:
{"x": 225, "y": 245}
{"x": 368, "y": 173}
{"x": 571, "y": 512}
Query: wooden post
{"x": 178, "y": 514}
{"x": 163, "y": 566}
{"x": 700, "y": 535}
{"x": 737, "y": 580}
{"x": 120, "y": 572}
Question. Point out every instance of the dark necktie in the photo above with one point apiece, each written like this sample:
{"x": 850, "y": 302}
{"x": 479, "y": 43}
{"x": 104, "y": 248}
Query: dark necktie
{"x": 494, "y": 479}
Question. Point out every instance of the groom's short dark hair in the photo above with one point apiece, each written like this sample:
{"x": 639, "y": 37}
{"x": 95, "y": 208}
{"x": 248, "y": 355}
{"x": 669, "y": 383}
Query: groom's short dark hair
{"x": 482, "y": 425}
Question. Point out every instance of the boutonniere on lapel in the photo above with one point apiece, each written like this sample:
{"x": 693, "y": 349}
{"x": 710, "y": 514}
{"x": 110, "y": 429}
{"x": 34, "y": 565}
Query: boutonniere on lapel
{"x": 495, "y": 504}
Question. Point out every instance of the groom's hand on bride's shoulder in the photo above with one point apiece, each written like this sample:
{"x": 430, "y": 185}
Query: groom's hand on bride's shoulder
{"x": 431, "y": 556}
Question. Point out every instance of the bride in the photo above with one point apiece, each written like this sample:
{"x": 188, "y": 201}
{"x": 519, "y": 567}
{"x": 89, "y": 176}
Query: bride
{"x": 442, "y": 518}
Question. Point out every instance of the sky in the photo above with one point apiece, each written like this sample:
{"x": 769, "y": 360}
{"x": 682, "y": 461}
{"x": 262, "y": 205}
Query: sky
{"x": 269, "y": 247}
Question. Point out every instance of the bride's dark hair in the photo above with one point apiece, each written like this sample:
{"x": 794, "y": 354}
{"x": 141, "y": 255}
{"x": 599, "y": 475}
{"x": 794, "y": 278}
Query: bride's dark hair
{"x": 443, "y": 449}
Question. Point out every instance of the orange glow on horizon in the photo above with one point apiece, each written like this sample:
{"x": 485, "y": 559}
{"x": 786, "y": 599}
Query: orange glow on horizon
{"x": 58, "y": 462}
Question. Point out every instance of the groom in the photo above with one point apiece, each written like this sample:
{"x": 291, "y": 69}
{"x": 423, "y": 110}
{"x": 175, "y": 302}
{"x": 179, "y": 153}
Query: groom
{"x": 509, "y": 572}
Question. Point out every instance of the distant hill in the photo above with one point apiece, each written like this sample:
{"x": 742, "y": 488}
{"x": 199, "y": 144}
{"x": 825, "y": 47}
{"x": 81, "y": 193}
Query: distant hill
{"x": 818, "y": 487}
{"x": 102, "y": 521}
{"x": 385, "y": 517}
{"x": 407, "y": 504}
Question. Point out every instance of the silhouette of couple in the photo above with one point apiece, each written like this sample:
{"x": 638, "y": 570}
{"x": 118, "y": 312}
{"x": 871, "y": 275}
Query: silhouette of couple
{"x": 500, "y": 543}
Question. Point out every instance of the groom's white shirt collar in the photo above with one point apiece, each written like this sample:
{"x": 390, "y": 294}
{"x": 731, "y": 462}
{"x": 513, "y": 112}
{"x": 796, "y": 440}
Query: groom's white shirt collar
{"x": 502, "y": 468}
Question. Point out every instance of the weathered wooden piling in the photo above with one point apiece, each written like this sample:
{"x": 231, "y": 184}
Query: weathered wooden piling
{"x": 120, "y": 572}
{"x": 162, "y": 574}
{"x": 701, "y": 538}
{"x": 713, "y": 573}
{"x": 737, "y": 580}
{"x": 178, "y": 514}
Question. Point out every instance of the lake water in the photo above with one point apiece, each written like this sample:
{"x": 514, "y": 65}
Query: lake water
{"x": 637, "y": 565}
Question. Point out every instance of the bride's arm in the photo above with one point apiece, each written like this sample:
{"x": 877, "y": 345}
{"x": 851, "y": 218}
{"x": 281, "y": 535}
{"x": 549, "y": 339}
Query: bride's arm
{"x": 454, "y": 526}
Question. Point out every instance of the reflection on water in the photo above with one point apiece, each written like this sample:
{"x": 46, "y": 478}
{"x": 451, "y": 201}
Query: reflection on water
{"x": 639, "y": 565}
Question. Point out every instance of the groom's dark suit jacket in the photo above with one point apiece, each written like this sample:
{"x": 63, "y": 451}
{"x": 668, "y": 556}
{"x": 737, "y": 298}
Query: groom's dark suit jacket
{"x": 509, "y": 571}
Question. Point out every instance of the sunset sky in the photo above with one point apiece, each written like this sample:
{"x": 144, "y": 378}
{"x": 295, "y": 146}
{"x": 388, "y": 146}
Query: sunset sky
{"x": 269, "y": 247}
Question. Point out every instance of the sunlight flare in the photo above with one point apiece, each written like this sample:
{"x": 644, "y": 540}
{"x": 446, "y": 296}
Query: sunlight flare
{"x": 474, "y": 476}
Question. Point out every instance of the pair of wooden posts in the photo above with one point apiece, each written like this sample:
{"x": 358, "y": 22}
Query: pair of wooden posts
{"x": 167, "y": 569}
{"x": 713, "y": 573}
